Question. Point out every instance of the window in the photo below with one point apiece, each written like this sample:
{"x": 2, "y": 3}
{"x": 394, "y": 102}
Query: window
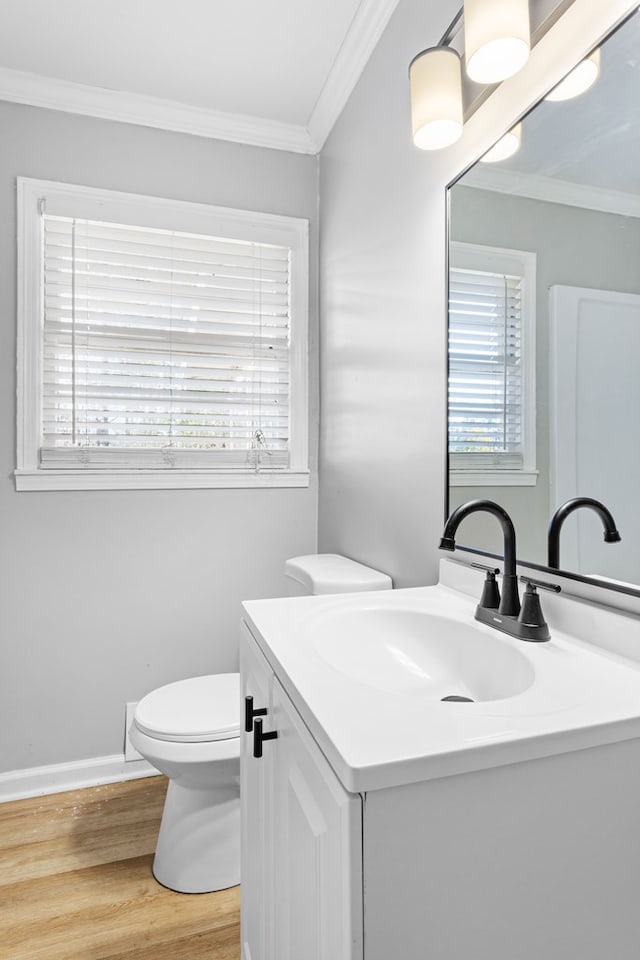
{"x": 491, "y": 366}
{"x": 161, "y": 343}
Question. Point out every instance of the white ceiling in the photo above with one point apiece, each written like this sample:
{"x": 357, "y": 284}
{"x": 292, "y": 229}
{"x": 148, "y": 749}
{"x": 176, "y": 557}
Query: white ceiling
{"x": 271, "y": 65}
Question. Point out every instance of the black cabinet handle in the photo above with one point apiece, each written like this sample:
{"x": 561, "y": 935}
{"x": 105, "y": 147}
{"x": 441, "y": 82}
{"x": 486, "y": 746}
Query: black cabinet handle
{"x": 259, "y": 737}
{"x": 250, "y": 713}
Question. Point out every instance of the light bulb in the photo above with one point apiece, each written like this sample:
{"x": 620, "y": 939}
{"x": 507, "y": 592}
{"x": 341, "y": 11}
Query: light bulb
{"x": 505, "y": 147}
{"x": 436, "y": 98}
{"x": 579, "y": 80}
{"x": 497, "y": 38}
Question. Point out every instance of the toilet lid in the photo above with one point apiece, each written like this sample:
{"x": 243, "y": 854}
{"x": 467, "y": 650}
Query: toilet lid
{"x": 192, "y": 711}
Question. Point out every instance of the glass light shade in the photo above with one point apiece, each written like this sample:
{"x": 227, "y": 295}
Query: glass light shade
{"x": 579, "y": 80}
{"x": 435, "y": 78}
{"x": 497, "y": 38}
{"x": 505, "y": 147}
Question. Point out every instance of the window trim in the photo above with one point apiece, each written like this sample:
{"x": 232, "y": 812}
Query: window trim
{"x": 146, "y": 211}
{"x": 475, "y": 256}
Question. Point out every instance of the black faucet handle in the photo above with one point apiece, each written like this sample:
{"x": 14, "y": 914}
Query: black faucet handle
{"x": 543, "y": 584}
{"x": 490, "y": 599}
{"x": 483, "y": 566}
{"x": 531, "y": 613}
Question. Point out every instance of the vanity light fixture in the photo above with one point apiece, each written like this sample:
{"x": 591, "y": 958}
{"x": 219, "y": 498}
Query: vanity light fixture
{"x": 505, "y": 147}
{"x": 581, "y": 79}
{"x": 497, "y": 38}
{"x": 435, "y": 78}
{"x": 497, "y": 41}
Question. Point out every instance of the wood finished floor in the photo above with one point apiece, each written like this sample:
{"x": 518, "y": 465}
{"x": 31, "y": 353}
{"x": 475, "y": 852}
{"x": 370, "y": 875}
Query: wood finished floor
{"x": 76, "y": 883}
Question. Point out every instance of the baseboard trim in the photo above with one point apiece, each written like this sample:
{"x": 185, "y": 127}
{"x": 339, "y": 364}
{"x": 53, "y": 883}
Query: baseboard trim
{"x": 60, "y": 777}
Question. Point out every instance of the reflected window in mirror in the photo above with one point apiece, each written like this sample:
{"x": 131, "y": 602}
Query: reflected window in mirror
{"x": 491, "y": 366}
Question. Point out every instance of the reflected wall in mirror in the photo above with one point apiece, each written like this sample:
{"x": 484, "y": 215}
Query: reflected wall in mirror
{"x": 544, "y": 325}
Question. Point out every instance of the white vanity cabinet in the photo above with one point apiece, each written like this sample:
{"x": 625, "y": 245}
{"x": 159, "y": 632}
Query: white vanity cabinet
{"x": 302, "y": 836}
{"x": 379, "y": 825}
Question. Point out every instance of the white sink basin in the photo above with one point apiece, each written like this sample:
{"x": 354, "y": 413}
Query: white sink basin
{"x": 415, "y": 653}
{"x": 368, "y": 673}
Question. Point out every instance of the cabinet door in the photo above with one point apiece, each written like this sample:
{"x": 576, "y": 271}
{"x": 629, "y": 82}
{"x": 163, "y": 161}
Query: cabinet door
{"x": 255, "y": 798}
{"x": 317, "y": 848}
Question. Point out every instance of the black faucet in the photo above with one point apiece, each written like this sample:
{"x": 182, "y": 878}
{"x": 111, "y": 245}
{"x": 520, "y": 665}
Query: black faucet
{"x": 526, "y": 624}
{"x": 611, "y": 534}
{"x": 510, "y": 602}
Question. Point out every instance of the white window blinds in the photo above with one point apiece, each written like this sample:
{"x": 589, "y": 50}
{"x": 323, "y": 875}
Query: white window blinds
{"x": 485, "y": 370}
{"x": 174, "y": 346}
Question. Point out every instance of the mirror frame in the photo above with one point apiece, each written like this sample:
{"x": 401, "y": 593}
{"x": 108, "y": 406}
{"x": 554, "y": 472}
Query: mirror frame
{"x": 475, "y": 551}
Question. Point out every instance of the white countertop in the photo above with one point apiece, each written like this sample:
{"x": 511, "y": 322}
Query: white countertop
{"x": 582, "y": 696}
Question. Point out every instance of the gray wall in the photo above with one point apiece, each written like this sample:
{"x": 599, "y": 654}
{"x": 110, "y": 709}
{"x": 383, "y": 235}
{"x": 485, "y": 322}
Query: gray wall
{"x": 576, "y": 247}
{"x": 383, "y": 332}
{"x": 106, "y": 595}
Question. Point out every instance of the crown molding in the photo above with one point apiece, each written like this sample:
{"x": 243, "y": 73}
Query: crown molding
{"x": 365, "y": 30}
{"x": 17, "y": 86}
{"x": 363, "y": 34}
{"x": 536, "y": 187}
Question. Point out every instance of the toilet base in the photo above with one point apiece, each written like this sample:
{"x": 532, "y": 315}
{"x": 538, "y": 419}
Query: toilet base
{"x": 198, "y": 849}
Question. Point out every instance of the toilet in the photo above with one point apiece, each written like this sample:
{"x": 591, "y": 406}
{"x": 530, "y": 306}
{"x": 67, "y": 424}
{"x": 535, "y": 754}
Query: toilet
{"x": 190, "y": 731}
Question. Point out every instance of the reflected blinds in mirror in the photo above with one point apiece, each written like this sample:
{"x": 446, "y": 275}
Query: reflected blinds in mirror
{"x": 485, "y": 369}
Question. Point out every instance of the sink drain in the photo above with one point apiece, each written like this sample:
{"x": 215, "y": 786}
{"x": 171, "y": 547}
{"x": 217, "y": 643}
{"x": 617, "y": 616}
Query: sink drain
{"x": 455, "y": 699}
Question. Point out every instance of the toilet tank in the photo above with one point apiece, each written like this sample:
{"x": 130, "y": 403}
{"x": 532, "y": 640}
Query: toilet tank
{"x": 330, "y": 573}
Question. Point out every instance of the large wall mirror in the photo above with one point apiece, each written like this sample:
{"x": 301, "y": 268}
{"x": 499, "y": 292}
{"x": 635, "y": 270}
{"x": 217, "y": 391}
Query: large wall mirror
{"x": 544, "y": 325}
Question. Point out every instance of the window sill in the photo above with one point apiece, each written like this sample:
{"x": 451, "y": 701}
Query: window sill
{"x": 493, "y": 478}
{"x": 88, "y": 479}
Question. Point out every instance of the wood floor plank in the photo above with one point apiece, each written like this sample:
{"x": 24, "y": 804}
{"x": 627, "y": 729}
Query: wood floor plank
{"x": 61, "y": 803}
{"x": 41, "y": 859}
{"x": 76, "y": 883}
{"x": 64, "y": 894}
{"x": 71, "y": 814}
{"x": 214, "y": 945}
{"x": 74, "y": 832}
{"x": 94, "y": 932}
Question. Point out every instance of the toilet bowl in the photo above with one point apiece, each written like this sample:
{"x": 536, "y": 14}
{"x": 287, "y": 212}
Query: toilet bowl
{"x": 190, "y": 731}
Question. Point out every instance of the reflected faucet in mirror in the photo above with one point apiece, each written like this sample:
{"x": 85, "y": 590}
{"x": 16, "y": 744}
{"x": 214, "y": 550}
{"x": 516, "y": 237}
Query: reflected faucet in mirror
{"x": 611, "y": 534}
